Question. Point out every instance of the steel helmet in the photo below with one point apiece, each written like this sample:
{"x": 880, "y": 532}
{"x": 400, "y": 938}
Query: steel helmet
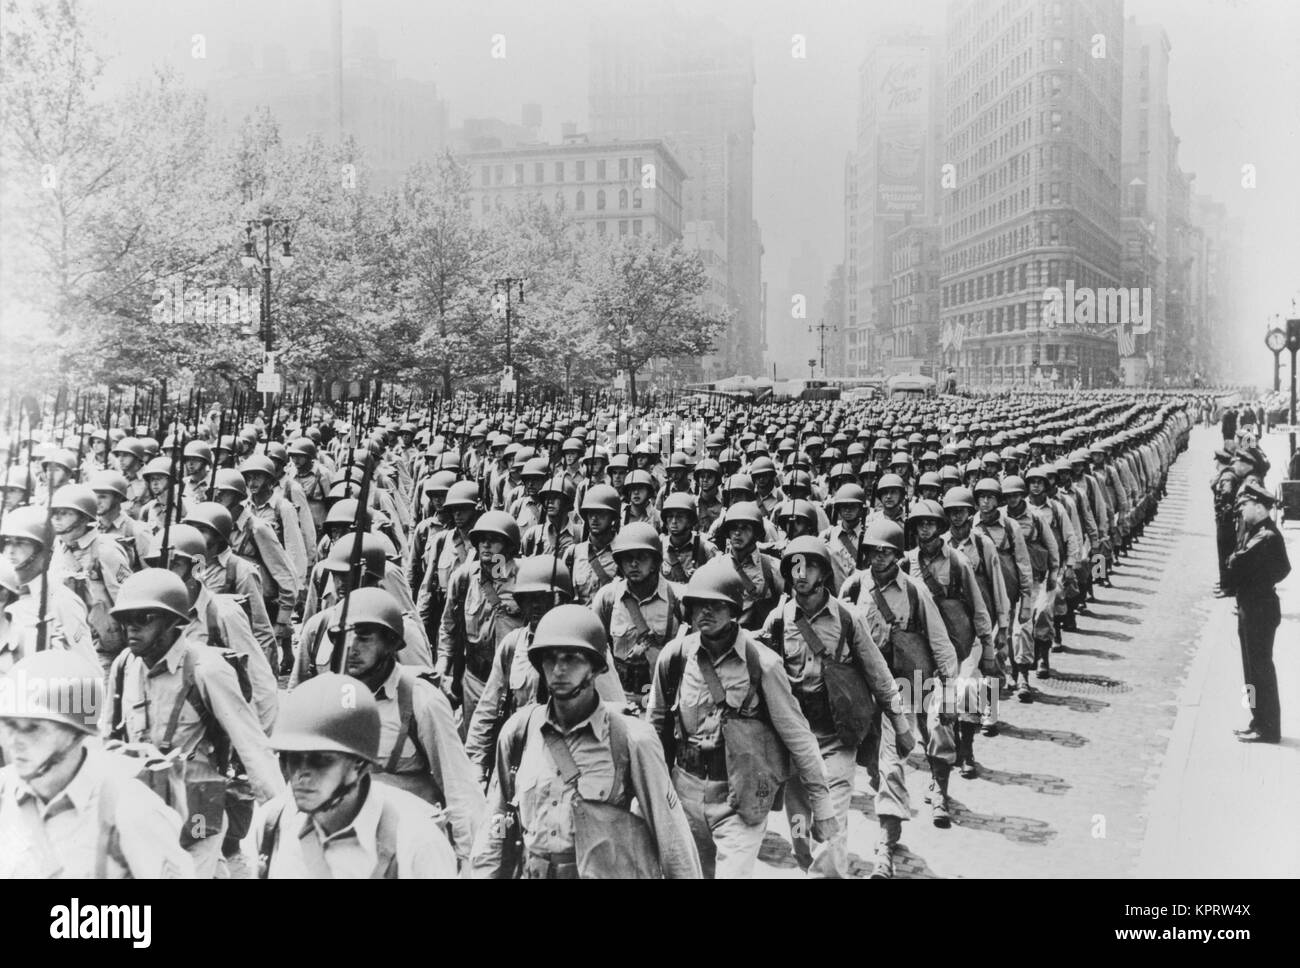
{"x": 992, "y": 459}
{"x": 185, "y": 541}
{"x": 29, "y": 524}
{"x": 497, "y": 524}
{"x": 258, "y": 464}
{"x": 949, "y": 473}
{"x": 1013, "y": 485}
{"x": 75, "y": 497}
{"x": 18, "y": 478}
{"x": 329, "y": 712}
{"x": 798, "y": 479}
{"x": 56, "y": 685}
{"x": 809, "y": 545}
{"x": 797, "y": 508}
{"x": 762, "y": 465}
{"x": 447, "y": 461}
{"x": 573, "y": 627}
{"x": 278, "y": 454}
{"x": 152, "y": 589}
{"x": 883, "y": 534}
{"x": 738, "y": 482}
{"x": 716, "y": 581}
{"x": 132, "y": 446}
{"x": 1079, "y": 456}
{"x": 619, "y": 462}
{"x": 371, "y": 606}
{"x": 560, "y": 486}
{"x": 597, "y": 453}
{"x": 959, "y": 497}
{"x": 637, "y": 536}
{"x": 850, "y": 494}
{"x": 232, "y": 481}
{"x": 536, "y": 467}
{"x": 680, "y": 501}
{"x": 62, "y": 458}
{"x": 461, "y": 494}
{"x": 928, "y": 511}
{"x": 211, "y": 515}
{"x": 440, "y": 482}
{"x": 374, "y": 554}
{"x": 542, "y": 575}
{"x": 303, "y": 447}
{"x": 197, "y": 450}
{"x": 1036, "y": 473}
{"x": 901, "y": 459}
{"x": 930, "y": 479}
{"x": 742, "y": 512}
{"x": 987, "y": 485}
{"x": 1063, "y": 466}
{"x": 601, "y": 497}
{"x": 639, "y": 478}
{"x": 888, "y": 481}
{"x": 158, "y": 467}
{"x": 975, "y": 466}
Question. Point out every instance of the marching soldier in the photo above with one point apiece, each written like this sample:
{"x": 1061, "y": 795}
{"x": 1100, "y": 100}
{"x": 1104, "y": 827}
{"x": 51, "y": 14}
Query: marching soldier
{"x": 591, "y": 562}
{"x": 66, "y": 809}
{"x": 334, "y": 821}
{"x": 573, "y": 767}
{"x": 20, "y": 608}
{"x": 683, "y": 548}
{"x": 730, "y": 727}
{"x": 844, "y": 538}
{"x": 1033, "y": 637}
{"x": 761, "y": 583}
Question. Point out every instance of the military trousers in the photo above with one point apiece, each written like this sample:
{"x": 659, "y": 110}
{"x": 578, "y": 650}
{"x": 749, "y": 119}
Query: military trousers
{"x": 1257, "y": 622}
{"x": 829, "y": 859}
{"x": 728, "y": 846}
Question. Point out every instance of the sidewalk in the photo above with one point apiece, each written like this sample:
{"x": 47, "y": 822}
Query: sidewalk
{"x": 1221, "y": 808}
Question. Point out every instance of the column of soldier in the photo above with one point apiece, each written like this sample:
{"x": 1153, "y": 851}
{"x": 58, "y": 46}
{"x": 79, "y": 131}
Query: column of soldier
{"x": 543, "y": 642}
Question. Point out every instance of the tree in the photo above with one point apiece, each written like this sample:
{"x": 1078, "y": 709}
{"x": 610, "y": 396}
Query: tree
{"x": 644, "y": 299}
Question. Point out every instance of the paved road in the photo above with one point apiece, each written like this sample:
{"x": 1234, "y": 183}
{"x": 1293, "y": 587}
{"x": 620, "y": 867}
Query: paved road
{"x": 1067, "y": 789}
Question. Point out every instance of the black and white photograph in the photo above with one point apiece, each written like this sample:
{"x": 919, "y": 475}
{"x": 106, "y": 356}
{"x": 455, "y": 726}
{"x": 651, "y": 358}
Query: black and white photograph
{"x": 651, "y": 439}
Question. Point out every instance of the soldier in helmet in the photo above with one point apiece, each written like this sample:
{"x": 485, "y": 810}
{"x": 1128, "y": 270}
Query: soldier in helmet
{"x": 841, "y": 682}
{"x": 420, "y": 749}
{"x": 446, "y": 550}
{"x": 129, "y": 456}
{"x": 157, "y": 476}
{"x": 311, "y": 476}
{"x": 480, "y": 611}
{"x": 708, "y": 500}
{"x": 640, "y": 610}
{"x": 334, "y": 821}
{"x": 254, "y": 540}
{"x": 760, "y": 581}
{"x": 92, "y": 565}
{"x": 1033, "y": 638}
{"x": 638, "y": 500}
{"x": 541, "y": 584}
{"x": 196, "y": 464}
{"x": 844, "y": 538}
{"x": 591, "y": 561}
{"x": 730, "y": 727}
{"x": 901, "y": 612}
{"x": 24, "y": 541}
{"x": 66, "y": 808}
{"x": 572, "y": 767}
{"x": 169, "y": 689}
{"x": 268, "y": 503}
{"x": 225, "y": 573}
{"x": 683, "y": 548}
{"x": 527, "y": 508}
{"x": 289, "y": 488}
{"x": 432, "y": 520}
{"x": 557, "y": 530}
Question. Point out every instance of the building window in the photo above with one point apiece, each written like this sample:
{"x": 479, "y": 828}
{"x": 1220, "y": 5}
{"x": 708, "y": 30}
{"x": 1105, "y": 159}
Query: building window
{"x": 580, "y": 202}
{"x": 622, "y": 169}
{"x": 636, "y": 227}
{"x": 636, "y": 198}
{"x": 500, "y": 174}
{"x": 622, "y": 199}
{"x": 622, "y": 227}
{"x": 539, "y": 173}
{"x": 487, "y": 205}
{"x": 559, "y": 171}
{"x": 581, "y": 167}
{"x": 485, "y": 175}
{"x": 519, "y": 174}
{"x": 600, "y": 228}
{"x": 600, "y": 199}
{"x": 636, "y": 168}
{"x": 600, "y": 170}
{"x": 559, "y": 201}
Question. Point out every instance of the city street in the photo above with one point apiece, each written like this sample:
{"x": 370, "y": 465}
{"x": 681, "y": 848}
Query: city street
{"x": 1125, "y": 764}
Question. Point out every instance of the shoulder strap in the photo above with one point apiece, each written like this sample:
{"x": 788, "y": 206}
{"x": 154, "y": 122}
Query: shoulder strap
{"x": 405, "y": 720}
{"x": 213, "y": 621}
{"x": 810, "y": 634}
{"x": 188, "y": 688}
{"x": 117, "y": 728}
{"x": 107, "y": 837}
{"x": 270, "y": 837}
{"x": 767, "y": 571}
{"x": 917, "y": 618}
{"x": 386, "y": 842}
{"x": 882, "y": 606}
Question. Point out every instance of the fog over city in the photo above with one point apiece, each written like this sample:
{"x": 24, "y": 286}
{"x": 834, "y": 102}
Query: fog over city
{"x": 1233, "y": 77}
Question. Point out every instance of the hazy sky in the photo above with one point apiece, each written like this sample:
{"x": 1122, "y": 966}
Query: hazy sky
{"x": 1234, "y": 79}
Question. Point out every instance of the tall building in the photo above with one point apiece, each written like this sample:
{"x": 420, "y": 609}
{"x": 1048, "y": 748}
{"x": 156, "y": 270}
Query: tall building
{"x": 891, "y": 176}
{"x": 688, "y": 80}
{"x": 790, "y": 342}
{"x": 1033, "y": 132}
{"x": 833, "y": 312}
{"x": 349, "y": 91}
{"x": 597, "y": 184}
{"x": 703, "y": 238}
{"x": 1148, "y": 146}
{"x": 913, "y": 346}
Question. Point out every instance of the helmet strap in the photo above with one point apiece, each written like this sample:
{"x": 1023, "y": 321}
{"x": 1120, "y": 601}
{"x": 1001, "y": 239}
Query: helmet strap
{"x": 341, "y": 793}
{"x": 54, "y": 759}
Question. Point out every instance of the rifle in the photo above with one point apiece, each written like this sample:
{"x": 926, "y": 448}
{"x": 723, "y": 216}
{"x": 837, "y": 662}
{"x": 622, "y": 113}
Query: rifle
{"x": 360, "y": 527}
{"x": 42, "y": 632}
{"x": 173, "y": 483}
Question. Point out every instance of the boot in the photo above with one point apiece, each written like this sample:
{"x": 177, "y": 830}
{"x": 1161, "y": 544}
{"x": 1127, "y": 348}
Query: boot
{"x": 891, "y": 829}
{"x": 939, "y": 815}
{"x": 1023, "y": 692}
{"x": 1041, "y": 652}
{"x": 966, "y": 750}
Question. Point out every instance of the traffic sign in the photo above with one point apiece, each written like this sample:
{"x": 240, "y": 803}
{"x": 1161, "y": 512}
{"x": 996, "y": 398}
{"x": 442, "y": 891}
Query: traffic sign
{"x": 269, "y": 382}
{"x": 1285, "y": 428}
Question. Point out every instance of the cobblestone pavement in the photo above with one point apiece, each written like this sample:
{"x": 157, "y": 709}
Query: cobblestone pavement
{"x": 1063, "y": 789}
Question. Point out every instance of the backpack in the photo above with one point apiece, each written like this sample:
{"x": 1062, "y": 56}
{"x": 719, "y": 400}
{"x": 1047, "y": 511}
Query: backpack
{"x": 671, "y": 682}
{"x": 386, "y": 866}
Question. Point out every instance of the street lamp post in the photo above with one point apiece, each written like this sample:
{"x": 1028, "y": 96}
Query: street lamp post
{"x": 812, "y": 367}
{"x": 1276, "y": 341}
{"x": 509, "y": 284}
{"x": 1293, "y": 345}
{"x": 821, "y": 328}
{"x": 251, "y": 258}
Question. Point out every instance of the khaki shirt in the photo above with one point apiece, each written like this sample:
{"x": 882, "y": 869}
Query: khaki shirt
{"x": 857, "y": 591}
{"x": 586, "y": 581}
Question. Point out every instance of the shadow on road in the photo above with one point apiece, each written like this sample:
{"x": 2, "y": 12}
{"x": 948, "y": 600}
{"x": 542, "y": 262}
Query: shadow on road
{"x": 1057, "y": 736}
{"x": 1105, "y": 634}
{"x": 1077, "y": 703}
{"x": 1038, "y": 782}
{"x": 1094, "y": 653}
